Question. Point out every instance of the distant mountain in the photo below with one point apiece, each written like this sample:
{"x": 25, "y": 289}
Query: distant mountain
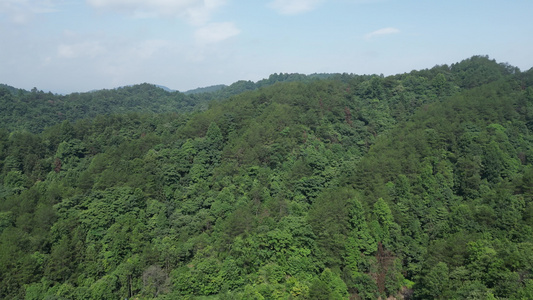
{"x": 35, "y": 110}
{"x": 165, "y": 88}
{"x": 207, "y": 89}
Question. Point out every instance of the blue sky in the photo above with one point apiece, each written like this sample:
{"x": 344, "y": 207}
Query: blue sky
{"x": 68, "y": 46}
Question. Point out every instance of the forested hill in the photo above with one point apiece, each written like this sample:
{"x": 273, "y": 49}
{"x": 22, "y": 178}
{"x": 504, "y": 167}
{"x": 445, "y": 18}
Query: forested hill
{"x": 413, "y": 186}
{"x": 35, "y": 110}
{"x": 223, "y": 91}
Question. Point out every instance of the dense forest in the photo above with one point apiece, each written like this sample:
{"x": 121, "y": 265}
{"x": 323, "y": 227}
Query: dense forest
{"x": 35, "y": 110}
{"x": 341, "y": 186}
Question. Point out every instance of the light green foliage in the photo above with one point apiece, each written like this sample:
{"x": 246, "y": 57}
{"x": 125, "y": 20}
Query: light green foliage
{"x": 383, "y": 222}
{"x": 103, "y": 288}
{"x": 16, "y": 182}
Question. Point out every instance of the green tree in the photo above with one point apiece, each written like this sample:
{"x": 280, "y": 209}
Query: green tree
{"x": 435, "y": 284}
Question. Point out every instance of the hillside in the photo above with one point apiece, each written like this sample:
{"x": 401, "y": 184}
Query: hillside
{"x": 35, "y": 110}
{"x": 418, "y": 185}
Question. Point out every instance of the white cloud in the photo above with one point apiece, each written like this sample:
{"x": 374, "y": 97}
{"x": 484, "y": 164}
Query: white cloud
{"x": 108, "y": 61}
{"x": 382, "y": 31}
{"x": 293, "y": 7}
{"x": 196, "y": 12}
{"x": 23, "y": 11}
{"x": 84, "y": 49}
{"x": 147, "y": 49}
{"x": 215, "y": 32}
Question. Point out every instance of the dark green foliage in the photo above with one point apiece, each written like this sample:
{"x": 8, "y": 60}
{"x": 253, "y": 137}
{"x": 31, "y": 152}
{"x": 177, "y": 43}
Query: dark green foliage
{"x": 36, "y": 110}
{"x": 417, "y": 185}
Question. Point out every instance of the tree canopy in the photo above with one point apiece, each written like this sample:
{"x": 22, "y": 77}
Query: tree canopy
{"x": 332, "y": 186}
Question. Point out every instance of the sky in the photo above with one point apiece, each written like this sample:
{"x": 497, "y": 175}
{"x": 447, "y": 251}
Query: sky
{"x": 66, "y": 46}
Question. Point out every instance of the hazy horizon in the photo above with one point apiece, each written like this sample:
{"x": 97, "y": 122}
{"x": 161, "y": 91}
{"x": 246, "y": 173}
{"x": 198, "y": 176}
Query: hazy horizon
{"x": 77, "y": 46}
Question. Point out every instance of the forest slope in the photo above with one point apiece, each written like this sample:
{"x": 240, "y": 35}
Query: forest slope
{"x": 35, "y": 110}
{"x": 418, "y": 184}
